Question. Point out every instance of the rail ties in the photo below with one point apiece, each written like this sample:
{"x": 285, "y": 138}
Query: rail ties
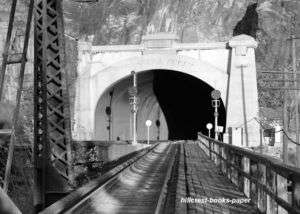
{"x": 207, "y": 189}
{"x": 140, "y": 188}
{"x": 175, "y": 177}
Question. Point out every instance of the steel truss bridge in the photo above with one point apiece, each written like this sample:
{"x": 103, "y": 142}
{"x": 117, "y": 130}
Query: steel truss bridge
{"x": 167, "y": 175}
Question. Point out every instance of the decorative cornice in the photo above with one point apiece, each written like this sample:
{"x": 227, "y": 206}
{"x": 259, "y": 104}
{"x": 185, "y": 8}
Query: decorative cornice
{"x": 168, "y": 42}
{"x": 243, "y": 40}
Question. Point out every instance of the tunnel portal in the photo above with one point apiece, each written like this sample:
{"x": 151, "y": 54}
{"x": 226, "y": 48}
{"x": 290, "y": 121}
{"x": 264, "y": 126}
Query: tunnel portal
{"x": 186, "y": 103}
{"x": 178, "y": 104}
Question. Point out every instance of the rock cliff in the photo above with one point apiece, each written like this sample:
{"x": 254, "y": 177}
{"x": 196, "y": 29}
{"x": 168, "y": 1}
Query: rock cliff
{"x": 270, "y": 22}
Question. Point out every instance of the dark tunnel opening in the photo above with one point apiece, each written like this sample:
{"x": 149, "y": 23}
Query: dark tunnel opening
{"x": 186, "y": 104}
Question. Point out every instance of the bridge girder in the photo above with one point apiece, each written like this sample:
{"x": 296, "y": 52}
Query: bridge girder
{"x": 52, "y": 134}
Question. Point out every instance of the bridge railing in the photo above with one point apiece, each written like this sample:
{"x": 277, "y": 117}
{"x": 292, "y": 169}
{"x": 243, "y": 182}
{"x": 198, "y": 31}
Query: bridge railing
{"x": 271, "y": 185}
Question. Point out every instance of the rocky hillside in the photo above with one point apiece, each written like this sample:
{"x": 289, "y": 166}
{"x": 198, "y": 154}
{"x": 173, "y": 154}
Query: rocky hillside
{"x": 125, "y": 21}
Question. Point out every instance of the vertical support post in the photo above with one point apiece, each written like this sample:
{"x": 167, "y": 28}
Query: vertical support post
{"x": 262, "y": 196}
{"x": 246, "y": 169}
{"x": 18, "y": 98}
{"x": 40, "y": 107}
{"x": 216, "y": 95}
{"x": 296, "y": 192}
{"x": 271, "y": 184}
{"x": 242, "y": 137}
{"x": 285, "y": 122}
{"x": 148, "y": 124}
{"x": 233, "y": 170}
{"x": 261, "y": 139}
{"x": 216, "y": 114}
{"x": 296, "y": 99}
{"x": 134, "y": 108}
{"x": 220, "y": 157}
{"x": 230, "y": 133}
{"x": 240, "y": 177}
{"x": 229, "y": 157}
{"x": 6, "y": 47}
{"x": 226, "y": 165}
{"x": 210, "y": 153}
{"x": 52, "y": 132}
{"x": 282, "y": 192}
{"x": 148, "y": 134}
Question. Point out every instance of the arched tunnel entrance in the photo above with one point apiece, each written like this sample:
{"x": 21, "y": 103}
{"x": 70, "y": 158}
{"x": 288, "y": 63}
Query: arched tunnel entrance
{"x": 178, "y": 104}
{"x": 186, "y": 103}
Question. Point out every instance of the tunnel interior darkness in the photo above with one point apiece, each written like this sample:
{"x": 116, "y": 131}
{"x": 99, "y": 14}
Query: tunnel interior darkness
{"x": 186, "y": 104}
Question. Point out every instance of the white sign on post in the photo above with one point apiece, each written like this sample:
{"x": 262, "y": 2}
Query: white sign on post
{"x": 209, "y": 126}
{"x": 220, "y": 129}
{"x": 148, "y": 123}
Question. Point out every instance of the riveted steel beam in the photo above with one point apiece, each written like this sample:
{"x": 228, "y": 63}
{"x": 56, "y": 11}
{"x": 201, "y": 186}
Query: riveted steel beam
{"x": 52, "y": 150}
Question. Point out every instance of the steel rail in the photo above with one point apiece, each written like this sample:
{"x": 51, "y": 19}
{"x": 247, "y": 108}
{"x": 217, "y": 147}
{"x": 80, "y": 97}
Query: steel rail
{"x": 70, "y": 202}
{"x": 163, "y": 192}
{"x": 114, "y": 179}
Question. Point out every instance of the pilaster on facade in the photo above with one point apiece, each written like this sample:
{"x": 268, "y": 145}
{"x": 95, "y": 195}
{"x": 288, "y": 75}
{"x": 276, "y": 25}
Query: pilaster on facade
{"x": 243, "y": 108}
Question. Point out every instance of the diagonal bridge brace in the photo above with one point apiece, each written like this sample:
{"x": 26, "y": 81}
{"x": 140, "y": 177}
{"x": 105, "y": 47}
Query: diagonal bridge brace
{"x": 52, "y": 132}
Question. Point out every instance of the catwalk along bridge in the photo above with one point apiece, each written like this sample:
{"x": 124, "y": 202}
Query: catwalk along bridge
{"x": 173, "y": 86}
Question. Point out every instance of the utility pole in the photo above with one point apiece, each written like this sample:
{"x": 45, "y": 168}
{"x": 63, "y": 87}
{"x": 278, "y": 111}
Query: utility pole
{"x": 285, "y": 123}
{"x": 296, "y": 98}
{"x": 295, "y": 79}
{"x": 286, "y": 94}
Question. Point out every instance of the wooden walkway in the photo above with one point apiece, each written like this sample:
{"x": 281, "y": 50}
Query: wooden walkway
{"x": 202, "y": 189}
{"x": 172, "y": 178}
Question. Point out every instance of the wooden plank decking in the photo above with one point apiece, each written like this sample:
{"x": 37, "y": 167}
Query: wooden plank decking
{"x": 200, "y": 185}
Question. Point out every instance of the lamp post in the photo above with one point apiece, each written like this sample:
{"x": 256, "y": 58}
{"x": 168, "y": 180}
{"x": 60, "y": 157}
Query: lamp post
{"x": 209, "y": 127}
{"x": 216, "y": 94}
{"x": 148, "y": 124}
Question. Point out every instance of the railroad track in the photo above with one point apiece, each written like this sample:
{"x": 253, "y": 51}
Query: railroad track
{"x": 140, "y": 187}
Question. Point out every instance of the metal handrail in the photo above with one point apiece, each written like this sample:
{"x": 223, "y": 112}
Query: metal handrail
{"x": 260, "y": 177}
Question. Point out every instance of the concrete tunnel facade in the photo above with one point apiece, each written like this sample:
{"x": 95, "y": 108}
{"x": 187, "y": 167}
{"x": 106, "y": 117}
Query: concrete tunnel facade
{"x": 175, "y": 81}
